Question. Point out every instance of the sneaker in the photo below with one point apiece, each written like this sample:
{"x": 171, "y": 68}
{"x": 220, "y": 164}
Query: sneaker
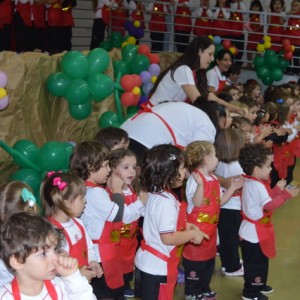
{"x": 129, "y": 293}
{"x": 237, "y": 273}
{"x": 266, "y": 289}
{"x": 223, "y": 270}
{"x": 180, "y": 277}
{"x": 258, "y": 296}
{"x": 210, "y": 295}
{"x": 194, "y": 297}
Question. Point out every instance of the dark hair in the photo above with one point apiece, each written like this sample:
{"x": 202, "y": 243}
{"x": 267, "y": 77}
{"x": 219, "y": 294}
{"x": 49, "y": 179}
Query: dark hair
{"x": 253, "y": 155}
{"x": 272, "y": 4}
{"x": 239, "y": 121}
{"x": 248, "y": 101}
{"x": 87, "y": 157}
{"x": 224, "y": 95}
{"x": 282, "y": 113}
{"x": 53, "y": 198}
{"x": 23, "y": 234}
{"x": 111, "y": 136}
{"x": 235, "y": 69}
{"x": 272, "y": 109}
{"x": 227, "y": 3}
{"x": 229, "y": 142}
{"x": 159, "y": 170}
{"x": 256, "y": 3}
{"x": 117, "y": 155}
{"x": 190, "y": 58}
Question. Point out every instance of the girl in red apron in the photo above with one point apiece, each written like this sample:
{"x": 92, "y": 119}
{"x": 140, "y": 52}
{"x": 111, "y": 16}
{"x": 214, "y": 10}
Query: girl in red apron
{"x": 203, "y": 23}
{"x": 63, "y": 199}
{"x": 204, "y": 198}
{"x": 164, "y": 226}
{"x": 257, "y": 231}
{"x": 221, "y": 16}
{"x": 6, "y": 17}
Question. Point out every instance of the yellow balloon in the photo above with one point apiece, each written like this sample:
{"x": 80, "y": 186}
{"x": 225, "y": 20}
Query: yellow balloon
{"x": 266, "y": 38}
{"x": 293, "y": 48}
{"x": 211, "y": 37}
{"x": 136, "y": 90}
{"x": 131, "y": 40}
{"x": 153, "y": 79}
{"x": 137, "y": 24}
{"x": 124, "y": 44}
{"x": 260, "y": 48}
{"x": 267, "y": 45}
{"x": 2, "y": 93}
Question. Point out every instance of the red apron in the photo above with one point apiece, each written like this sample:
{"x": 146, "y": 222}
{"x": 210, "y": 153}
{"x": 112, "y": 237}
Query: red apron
{"x": 264, "y": 226}
{"x": 6, "y": 13}
{"x": 206, "y": 219}
{"x": 182, "y": 18}
{"x": 236, "y": 24}
{"x": 202, "y": 24}
{"x": 119, "y": 16}
{"x": 39, "y": 15}
{"x": 129, "y": 241}
{"x": 157, "y": 21}
{"x": 106, "y": 14}
{"x": 109, "y": 249}
{"x": 293, "y": 30}
{"x": 137, "y": 15}
{"x": 79, "y": 250}
{"x": 276, "y": 32}
{"x": 257, "y": 35}
{"x": 222, "y": 84}
{"x": 55, "y": 15}
{"x": 166, "y": 290}
{"x": 49, "y": 286}
{"x": 282, "y": 158}
{"x": 24, "y": 10}
{"x": 221, "y": 23}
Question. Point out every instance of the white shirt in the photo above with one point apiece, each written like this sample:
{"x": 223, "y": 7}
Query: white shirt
{"x": 71, "y": 287}
{"x": 171, "y": 89}
{"x": 254, "y": 198}
{"x": 161, "y": 216}
{"x": 188, "y": 123}
{"x": 214, "y": 76}
{"x": 5, "y": 275}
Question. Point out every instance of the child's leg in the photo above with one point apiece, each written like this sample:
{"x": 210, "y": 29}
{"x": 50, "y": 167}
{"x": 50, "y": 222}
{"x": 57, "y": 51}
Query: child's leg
{"x": 256, "y": 267}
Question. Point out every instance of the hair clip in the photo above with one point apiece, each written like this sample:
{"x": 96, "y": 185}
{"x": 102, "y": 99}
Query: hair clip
{"x": 172, "y": 157}
{"x": 27, "y": 196}
{"x": 280, "y": 101}
{"x": 59, "y": 183}
{"x": 202, "y": 147}
{"x": 50, "y": 173}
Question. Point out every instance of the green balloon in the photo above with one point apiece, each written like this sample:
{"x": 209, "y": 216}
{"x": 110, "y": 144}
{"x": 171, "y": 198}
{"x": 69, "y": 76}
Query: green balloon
{"x": 129, "y": 52}
{"x": 283, "y": 63}
{"x": 75, "y": 64}
{"x": 122, "y": 67}
{"x": 98, "y": 60}
{"x": 263, "y": 72}
{"x": 81, "y": 111}
{"x": 69, "y": 149}
{"x": 28, "y": 176}
{"x": 267, "y": 80}
{"x": 109, "y": 119}
{"x": 28, "y": 149}
{"x": 218, "y": 48}
{"x": 101, "y": 86}
{"x": 131, "y": 111}
{"x": 276, "y": 74}
{"x": 106, "y": 45}
{"x": 116, "y": 39}
{"x": 52, "y": 156}
{"x": 78, "y": 91}
{"x": 139, "y": 63}
{"x": 58, "y": 83}
{"x": 271, "y": 61}
{"x": 269, "y": 53}
{"x": 258, "y": 61}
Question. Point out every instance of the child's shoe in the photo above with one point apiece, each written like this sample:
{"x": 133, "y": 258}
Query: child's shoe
{"x": 237, "y": 273}
{"x": 266, "y": 289}
{"x": 129, "y": 293}
{"x": 194, "y": 297}
{"x": 180, "y": 277}
{"x": 209, "y": 295}
{"x": 257, "y": 296}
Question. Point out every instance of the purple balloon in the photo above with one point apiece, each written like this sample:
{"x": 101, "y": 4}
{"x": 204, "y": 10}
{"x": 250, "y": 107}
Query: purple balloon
{"x": 3, "y": 79}
{"x": 145, "y": 76}
{"x": 4, "y": 102}
{"x": 146, "y": 87}
{"x": 154, "y": 69}
{"x": 143, "y": 99}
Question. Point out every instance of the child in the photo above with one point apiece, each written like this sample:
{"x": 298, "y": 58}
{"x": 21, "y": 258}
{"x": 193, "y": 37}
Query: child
{"x": 29, "y": 247}
{"x": 63, "y": 200}
{"x": 204, "y": 198}
{"x": 103, "y": 214}
{"x": 164, "y": 223}
{"x": 233, "y": 91}
{"x": 233, "y": 75}
{"x": 221, "y": 16}
{"x": 123, "y": 161}
{"x": 15, "y": 197}
{"x": 256, "y": 231}
{"x": 245, "y": 126}
{"x": 203, "y": 23}
{"x": 252, "y": 108}
{"x": 228, "y": 144}
{"x": 252, "y": 90}
{"x": 6, "y": 19}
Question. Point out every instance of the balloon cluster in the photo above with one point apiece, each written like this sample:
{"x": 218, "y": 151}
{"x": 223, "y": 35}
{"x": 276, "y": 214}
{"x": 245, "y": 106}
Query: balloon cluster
{"x": 131, "y": 84}
{"x": 270, "y": 65}
{"x": 223, "y": 44}
{"x": 148, "y": 78}
{"x": 82, "y": 81}
{"x": 34, "y": 162}
{"x": 4, "y": 99}
{"x": 135, "y": 28}
{"x": 116, "y": 40}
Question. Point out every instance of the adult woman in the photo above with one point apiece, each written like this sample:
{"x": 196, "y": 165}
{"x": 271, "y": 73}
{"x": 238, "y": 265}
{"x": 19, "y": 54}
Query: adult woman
{"x": 215, "y": 77}
{"x": 185, "y": 79}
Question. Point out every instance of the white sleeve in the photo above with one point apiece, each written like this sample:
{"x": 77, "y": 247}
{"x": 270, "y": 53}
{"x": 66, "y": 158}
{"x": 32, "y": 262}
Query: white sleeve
{"x": 91, "y": 250}
{"x": 198, "y": 12}
{"x": 226, "y": 13}
{"x": 184, "y": 75}
{"x": 132, "y": 212}
{"x": 209, "y": 13}
{"x": 190, "y": 190}
{"x": 5, "y": 275}
{"x": 212, "y": 79}
{"x": 216, "y": 13}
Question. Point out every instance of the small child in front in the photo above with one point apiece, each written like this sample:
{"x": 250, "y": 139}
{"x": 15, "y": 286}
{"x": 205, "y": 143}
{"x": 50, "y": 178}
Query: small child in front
{"x": 29, "y": 247}
{"x": 257, "y": 231}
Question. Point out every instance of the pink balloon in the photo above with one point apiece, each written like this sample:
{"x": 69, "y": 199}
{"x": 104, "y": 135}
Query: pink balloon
{"x": 3, "y": 79}
{"x": 4, "y": 102}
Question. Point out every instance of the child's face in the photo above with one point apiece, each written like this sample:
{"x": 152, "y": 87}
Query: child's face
{"x": 182, "y": 173}
{"x": 127, "y": 169}
{"x": 255, "y": 8}
{"x": 212, "y": 161}
{"x": 277, "y": 6}
{"x": 234, "y": 93}
{"x": 247, "y": 130}
{"x": 234, "y": 77}
{"x": 264, "y": 172}
{"x": 256, "y": 91}
{"x": 122, "y": 144}
{"x": 224, "y": 63}
{"x": 266, "y": 118}
{"x": 100, "y": 176}
{"x": 295, "y": 107}
{"x": 76, "y": 207}
{"x": 204, "y": 3}
{"x": 252, "y": 114}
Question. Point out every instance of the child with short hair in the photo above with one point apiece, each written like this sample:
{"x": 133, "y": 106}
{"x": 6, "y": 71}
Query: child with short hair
{"x": 165, "y": 226}
{"x": 112, "y": 138}
{"x": 15, "y": 197}
{"x": 204, "y": 198}
{"x": 63, "y": 200}
{"x": 29, "y": 247}
{"x": 245, "y": 126}
{"x": 256, "y": 231}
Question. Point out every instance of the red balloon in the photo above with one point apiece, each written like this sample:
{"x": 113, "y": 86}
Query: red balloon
{"x": 127, "y": 83}
{"x": 226, "y": 44}
{"x": 287, "y": 47}
{"x": 136, "y": 79}
{"x": 129, "y": 99}
{"x": 288, "y": 55}
{"x": 144, "y": 49}
{"x": 154, "y": 58}
{"x": 286, "y": 42}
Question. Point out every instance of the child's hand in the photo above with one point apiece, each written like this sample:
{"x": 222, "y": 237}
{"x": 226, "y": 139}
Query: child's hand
{"x": 293, "y": 191}
{"x": 66, "y": 265}
{"x": 199, "y": 236}
{"x": 88, "y": 273}
{"x": 237, "y": 183}
{"x": 143, "y": 196}
{"x": 115, "y": 183}
{"x": 190, "y": 226}
{"x": 198, "y": 179}
{"x": 95, "y": 266}
{"x": 281, "y": 184}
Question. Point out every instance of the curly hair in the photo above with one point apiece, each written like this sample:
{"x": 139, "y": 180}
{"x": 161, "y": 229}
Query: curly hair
{"x": 253, "y": 155}
{"x": 160, "y": 168}
{"x": 87, "y": 157}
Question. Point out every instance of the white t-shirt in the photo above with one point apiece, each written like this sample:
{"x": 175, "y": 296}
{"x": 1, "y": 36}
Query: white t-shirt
{"x": 171, "y": 89}
{"x": 5, "y": 275}
{"x": 161, "y": 216}
{"x": 214, "y": 76}
{"x": 254, "y": 198}
{"x": 188, "y": 123}
{"x": 71, "y": 287}
{"x": 227, "y": 170}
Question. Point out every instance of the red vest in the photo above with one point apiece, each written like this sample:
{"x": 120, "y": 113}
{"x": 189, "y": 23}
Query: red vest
{"x": 236, "y": 23}
{"x": 157, "y": 21}
{"x": 6, "y": 13}
{"x": 205, "y": 218}
{"x": 55, "y": 15}
{"x": 67, "y": 18}
{"x": 293, "y": 30}
{"x": 137, "y": 15}
{"x": 203, "y": 24}
{"x": 282, "y": 158}
{"x": 221, "y": 23}
{"x": 182, "y": 18}
{"x": 24, "y": 10}
{"x": 39, "y": 15}
{"x": 119, "y": 16}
